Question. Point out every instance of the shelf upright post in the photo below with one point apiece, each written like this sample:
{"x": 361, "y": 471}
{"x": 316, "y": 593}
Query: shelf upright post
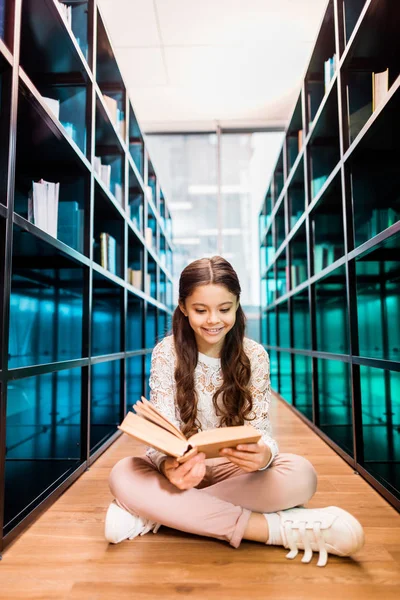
{"x": 86, "y": 390}
{"x": 13, "y": 110}
{"x": 310, "y": 258}
{"x": 350, "y": 267}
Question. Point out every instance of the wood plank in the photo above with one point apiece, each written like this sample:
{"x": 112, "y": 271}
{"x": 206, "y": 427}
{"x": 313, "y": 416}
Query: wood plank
{"x": 64, "y": 555}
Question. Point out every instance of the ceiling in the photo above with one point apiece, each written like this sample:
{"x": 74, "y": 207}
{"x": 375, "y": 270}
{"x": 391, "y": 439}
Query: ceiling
{"x": 192, "y": 64}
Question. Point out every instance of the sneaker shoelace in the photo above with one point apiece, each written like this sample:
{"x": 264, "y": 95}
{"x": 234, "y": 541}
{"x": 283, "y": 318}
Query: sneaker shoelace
{"x": 149, "y": 525}
{"x": 304, "y": 539}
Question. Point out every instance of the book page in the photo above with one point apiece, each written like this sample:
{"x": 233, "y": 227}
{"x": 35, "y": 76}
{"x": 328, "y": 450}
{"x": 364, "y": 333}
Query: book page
{"x": 144, "y": 412}
{"x": 153, "y": 435}
{"x": 150, "y": 407}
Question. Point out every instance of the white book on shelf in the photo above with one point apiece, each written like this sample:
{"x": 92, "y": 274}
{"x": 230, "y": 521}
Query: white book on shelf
{"x": 380, "y": 87}
{"x": 54, "y": 105}
{"x": 118, "y": 192}
{"x": 97, "y": 165}
{"x": 112, "y": 254}
{"x": 52, "y": 207}
{"x": 112, "y": 106}
{"x": 149, "y": 237}
{"x": 106, "y": 175}
{"x": 66, "y": 12}
{"x": 148, "y": 284}
{"x": 149, "y": 192}
{"x": 43, "y": 205}
{"x": 327, "y": 73}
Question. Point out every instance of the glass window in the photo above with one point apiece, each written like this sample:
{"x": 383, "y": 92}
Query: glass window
{"x": 335, "y": 405}
{"x": 106, "y": 316}
{"x": 43, "y": 434}
{"x": 285, "y": 376}
{"x": 273, "y": 369}
{"x": 105, "y": 402}
{"x": 301, "y": 321}
{"x": 302, "y": 391}
{"x": 134, "y": 381}
{"x": 331, "y": 309}
{"x": 380, "y": 400}
{"x": 378, "y": 301}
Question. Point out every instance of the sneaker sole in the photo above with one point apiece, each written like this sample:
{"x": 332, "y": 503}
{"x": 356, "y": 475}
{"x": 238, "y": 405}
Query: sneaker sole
{"x": 354, "y": 526}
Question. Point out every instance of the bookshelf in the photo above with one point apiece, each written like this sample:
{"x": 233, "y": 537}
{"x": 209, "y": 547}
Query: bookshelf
{"x": 80, "y": 311}
{"x": 330, "y": 243}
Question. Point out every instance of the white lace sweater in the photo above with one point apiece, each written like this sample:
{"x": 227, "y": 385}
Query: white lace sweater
{"x": 208, "y": 378}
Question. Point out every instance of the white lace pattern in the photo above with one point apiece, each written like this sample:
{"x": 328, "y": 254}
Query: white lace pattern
{"x": 208, "y": 378}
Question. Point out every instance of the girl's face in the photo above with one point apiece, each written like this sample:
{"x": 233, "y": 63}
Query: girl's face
{"x": 211, "y": 310}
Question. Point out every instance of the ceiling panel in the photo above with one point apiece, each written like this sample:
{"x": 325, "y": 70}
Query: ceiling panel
{"x": 142, "y": 67}
{"x": 131, "y": 22}
{"x": 190, "y": 62}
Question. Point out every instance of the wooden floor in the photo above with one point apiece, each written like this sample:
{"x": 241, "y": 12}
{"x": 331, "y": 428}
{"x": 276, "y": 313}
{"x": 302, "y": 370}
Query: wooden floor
{"x": 64, "y": 554}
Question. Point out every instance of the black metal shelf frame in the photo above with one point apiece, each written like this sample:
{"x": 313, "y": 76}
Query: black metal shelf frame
{"x": 364, "y": 269}
{"x": 102, "y": 295}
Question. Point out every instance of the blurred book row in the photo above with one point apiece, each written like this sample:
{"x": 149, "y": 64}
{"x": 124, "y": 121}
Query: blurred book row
{"x": 63, "y": 220}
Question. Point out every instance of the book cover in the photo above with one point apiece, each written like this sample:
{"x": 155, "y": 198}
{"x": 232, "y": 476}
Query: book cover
{"x": 380, "y": 86}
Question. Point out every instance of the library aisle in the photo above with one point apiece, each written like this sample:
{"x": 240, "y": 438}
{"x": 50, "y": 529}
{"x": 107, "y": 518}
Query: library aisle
{"x": 64, "y": 554}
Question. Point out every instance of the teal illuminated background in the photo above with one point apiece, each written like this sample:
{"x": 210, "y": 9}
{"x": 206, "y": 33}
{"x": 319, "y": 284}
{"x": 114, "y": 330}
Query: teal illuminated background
{"x": 43, "y": 426}
{"x": 105, "y": 401}
{"x": 45, "y": 316}
{"x": 380, "y": 400}
{"x": 334, "y": 400}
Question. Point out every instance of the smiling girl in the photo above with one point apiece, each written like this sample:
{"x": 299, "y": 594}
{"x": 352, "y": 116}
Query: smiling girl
{"x": 207, "y": 375}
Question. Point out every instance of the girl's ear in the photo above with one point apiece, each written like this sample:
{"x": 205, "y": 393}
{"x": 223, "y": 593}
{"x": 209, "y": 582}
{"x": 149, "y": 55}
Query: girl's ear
{"x": 181, "y": 306}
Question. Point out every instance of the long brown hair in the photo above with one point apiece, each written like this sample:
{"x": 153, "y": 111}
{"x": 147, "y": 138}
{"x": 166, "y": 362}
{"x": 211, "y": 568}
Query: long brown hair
{"x": 232, "y": 401}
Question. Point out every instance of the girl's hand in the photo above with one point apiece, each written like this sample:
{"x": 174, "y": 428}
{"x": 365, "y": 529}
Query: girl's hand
{"x": 249, "y": 457}
{"x": 187, "y": 475}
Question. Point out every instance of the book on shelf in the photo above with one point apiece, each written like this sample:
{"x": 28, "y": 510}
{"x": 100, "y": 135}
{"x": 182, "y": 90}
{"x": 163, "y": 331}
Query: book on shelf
{"x": 329, "y": 70}
{"x": 118, "y": 192}
{"x": 148, "y": 236}
{"x": 112, "y": 106}
{"x": 43, "y": 205}
{"x": 299, "y": 274}
{"x": 148, "y": 284}
{"x": 108, "y": 252}
{"x": 380, "y": 87}
{"x": 103, "y": 171}
{"x": 53, "y": 104}
{"x": 381, "y": 219}
{"x": 135, "y": 278}
{"x": 299, "y": 140}
{"x": 149, "y": 192}
{"x": 66, "y": 12}
{"x": 152, "y": 428}
{"x": 71, "y": 224}
{"x": 317, "y": 183}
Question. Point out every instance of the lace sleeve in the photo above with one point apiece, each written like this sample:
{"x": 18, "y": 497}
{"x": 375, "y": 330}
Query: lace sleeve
{"x": 162, "y": 392}
{"x": 260, "y": 388}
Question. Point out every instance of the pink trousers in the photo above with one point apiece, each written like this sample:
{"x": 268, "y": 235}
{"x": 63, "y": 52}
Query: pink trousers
{"x": 220, "y": 506}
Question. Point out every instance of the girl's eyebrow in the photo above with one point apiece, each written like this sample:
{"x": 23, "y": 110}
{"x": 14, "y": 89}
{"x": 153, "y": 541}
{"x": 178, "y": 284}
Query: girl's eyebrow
{"x": 201, "y": 303}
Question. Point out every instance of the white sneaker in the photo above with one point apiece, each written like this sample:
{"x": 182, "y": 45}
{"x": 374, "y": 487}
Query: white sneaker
{"x": 121, "y": 525}
{"x": 330, "y": 529}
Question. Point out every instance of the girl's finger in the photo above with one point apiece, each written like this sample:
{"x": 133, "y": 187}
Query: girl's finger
{"x": 249, "y": 447}
{"x": 244, "y": 464}
{"x": 250, "y": 456}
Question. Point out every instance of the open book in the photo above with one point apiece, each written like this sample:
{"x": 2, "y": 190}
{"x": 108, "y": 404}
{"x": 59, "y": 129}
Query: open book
{"x": 149, "y": 426}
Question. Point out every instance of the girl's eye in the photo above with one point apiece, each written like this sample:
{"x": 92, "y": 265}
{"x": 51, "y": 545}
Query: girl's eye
{"x": 225, "y": 310}
{"x": 200, "y": 311}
